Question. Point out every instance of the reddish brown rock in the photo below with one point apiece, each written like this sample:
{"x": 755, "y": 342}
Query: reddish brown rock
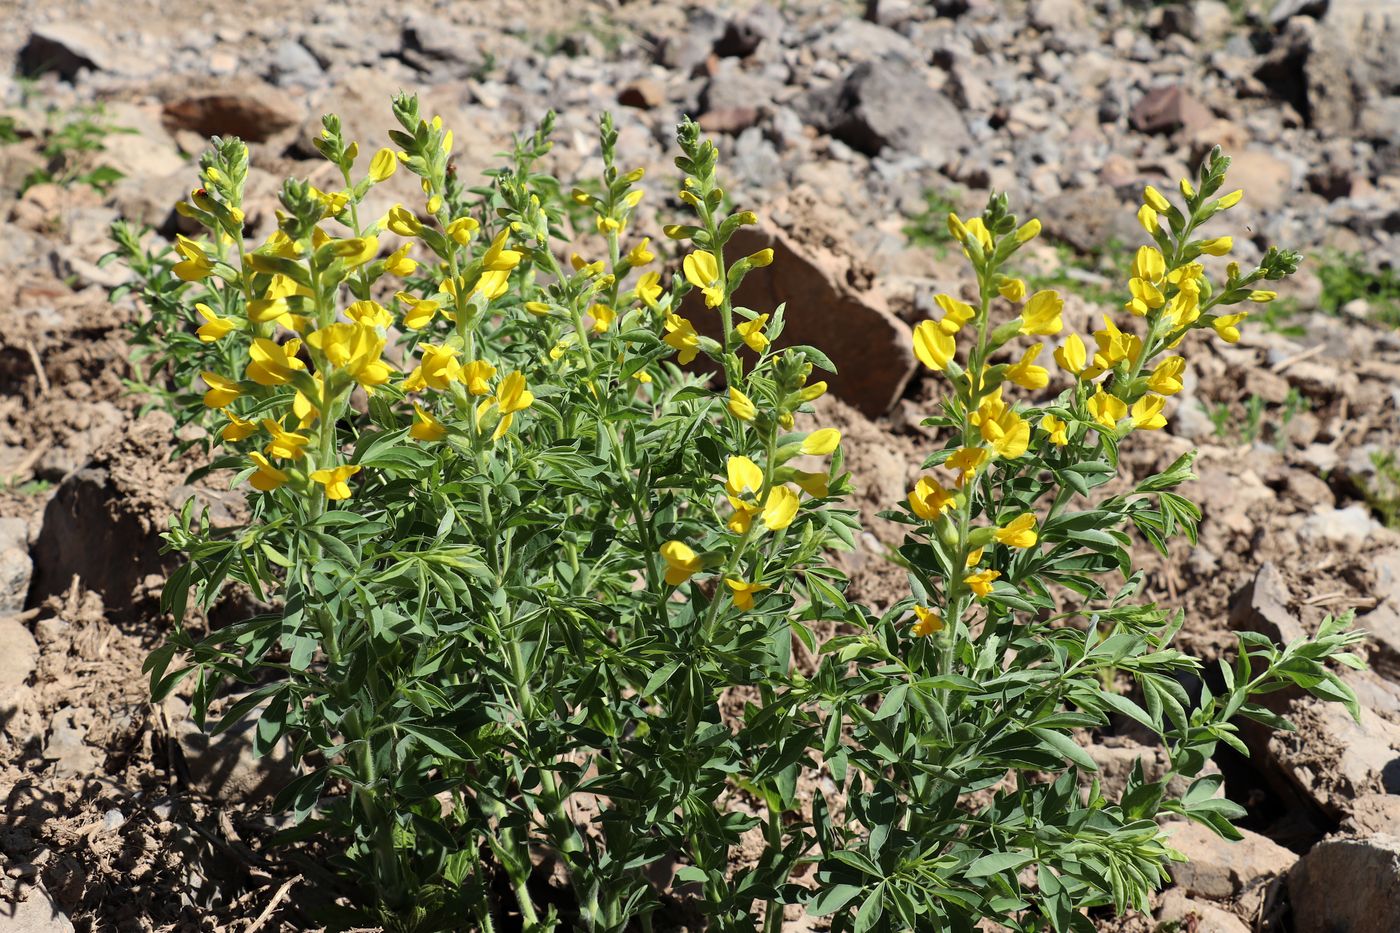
{"x": 1167, "y": 109}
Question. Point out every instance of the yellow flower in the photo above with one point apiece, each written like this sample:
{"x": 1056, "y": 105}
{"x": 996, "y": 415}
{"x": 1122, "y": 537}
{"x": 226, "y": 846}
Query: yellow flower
{"x": 1154, "y": 199}
{"x": 511, "y": 397}
{"x": 356, "y": 349}
{"x": 426, "y": 427}
{"x": 237, "y": 429}
{"x": 933, "y": 346}
{"x": 1106, "y": 409}
{"x": 702, "y": 271}
{"x": 462, "y": 230}
{"x": 816, "y": 485}
{"x": 1186, "y": 188}
{"x": 649, "y": 289}
{"x": 1166, "y": 378}
{"x": 1230, "y": 200}
{"x": 402, "y": 221}
{"x": 1012, "y": 290}
{"x": 399, "y": 262}
{"x": 1227, "y": 326}
{"x": 743, "y": 478}
{"x": 1071, "y": 355}
{"x": 1025, "y": 373}
{"x": 420, "y": 311}
{"x": 753, "y": 335}
{"x": 214, "y": 327}
{"x": 305, "y": 408}
{"x": 1009, "y": 434}
{"x": 270, "y": 310}
{"x": 1217, "y": 246}
{"x": 1115, "y": 345}
{"x": 271, "y": 364}
{"x": 743, "y": 591}
{"x": 955, "y": 313}
{"x": 383, "y": 165}
{"x": 1146, "y": 297}
{"x": 740, "y": 406}
{"x": 369, "y": 313}
{"x": 285, "y": 445}
{"x": 1019, "y": 532}
{"x": 966, "y": 462}
{"x": 195, "y": 264}
{"x": 928, "y": 622}
{"x": 1028, "y": 231}
{"x": 1261, "y": 296}
{"x": 1148, "y": 218}
{"x": 499, "y": 259}
{"x": 821, "y": 442}
{"x": 603, "y": 316}
{"x": 221, "y": 391}
{"x": 437, "y": 369}
{"x": 681, "y": 337}
{"x": 780, "y": 508}
{"x": 978, "y": 229}
{"x": 1147, "y": 413}
{"x": 1056, "y": 428}
{"x": 1148, "y": 264}
{"x": 981, "y": 581}
{"x": 356, "y": 251}
{"x": 639, "y": 255}
{"x": 267, "y": 477}
{"x": 681, "y": 562}
{"x": 928, "y": 499}
{"x": 478, "y": 375}
{"x": 1041, "y": 315}
{"x": 335, "y": 480}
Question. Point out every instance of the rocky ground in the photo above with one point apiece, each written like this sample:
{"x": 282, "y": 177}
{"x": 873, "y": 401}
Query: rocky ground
{"x": 851, "y": 128}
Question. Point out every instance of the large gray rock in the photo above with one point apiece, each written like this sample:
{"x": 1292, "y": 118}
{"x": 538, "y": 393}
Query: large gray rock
{"x": 888, "y": 104}
{"x": 1348, "y": 886}
{"x": 36, "y": 912}
{"x": 1350, "y": 64}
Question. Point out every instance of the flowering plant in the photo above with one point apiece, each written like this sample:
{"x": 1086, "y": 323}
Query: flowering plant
{"x": 534, "y": 583}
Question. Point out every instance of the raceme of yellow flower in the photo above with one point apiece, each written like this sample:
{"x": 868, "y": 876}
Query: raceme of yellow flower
{"x": 933, "y": 345}
{"x": 702, "y": 270}
{"x": 1019, "y": 532}
{"x": 1227, "y": 326}
{"x": 1146, "y": 413}
{"x": 740, "y": 405}
{"x": 780, "y": 508}
{"x": 1071, "y": 355}
{"x": 821, "y": 442}
{"x": 981, "y": 581}
{"x": 437, "y": 369}
{"x": 751, "y": 332}
{"x": 744, "y": 591}
{"x": 1041, "y": 315}
{"x": 335, "y": 480}
{"x": 928, "y": 499}
{"x": 267, "y": 477}
{"x": 955, "y": 313}
{"x": 1166, "y": 379}
{"x": 195, "y": 263}
{"x": 221, "y": 391}
{"x": 285, "y": 445}
{"x": 927, "y": 622}
{"x": 1025, "y": 373}
{"x": 681, "y": 562}
{"x": 1056, "y": 428}
{"x": 682, "y": 337}
{"x": 966, "y": 461}
{"x": 237, "y": 429}
{"x": 272, "y": 364}
{"x": 214, "y": 327}
{"x": 1107, "y": 409}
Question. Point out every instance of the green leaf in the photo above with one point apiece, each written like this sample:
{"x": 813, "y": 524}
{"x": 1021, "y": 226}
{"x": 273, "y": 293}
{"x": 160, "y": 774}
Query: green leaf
{"x": 997, "y": 862}
{"x": 1067, "y": 748}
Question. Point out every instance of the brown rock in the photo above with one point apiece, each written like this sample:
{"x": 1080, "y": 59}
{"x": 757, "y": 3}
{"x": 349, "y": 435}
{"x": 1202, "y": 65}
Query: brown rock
{"x": 1267, "y": 180}
{"x": 1226, "y": 870}
{"x": 252, "y": 110}
{"x": 1263, "y": 606}
{"x": 18, "y": 655}
{"x": 871, "y": 348}
{"x": 1348, "y": 886}
{"x": 1089, "y": 218}
{"x": 1374, "y": 813}
{"x": 1199, "y": 916}
{"x": 729, "y": 121}
{"x": 644, "y": 93}
{"x": 1331, "y": 759}
{"x": 1167, "y": 109}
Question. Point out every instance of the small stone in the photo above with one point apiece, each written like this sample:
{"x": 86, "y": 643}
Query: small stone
{"x": 872, "y": 111}
{"x": 1263, "y": 606}
{"x": 1180, "y": 912}
{"x": 1222, "y": 869}
{"x": 1348, "y": 527}
{"x": 1167, "y": 109}
{"x": 644, "y": 94}
{"x": 67, "y": 745}
{"x": 729, "y": 121}
{"x": 1057, "y": 15}
{"x": 291, "y": 63}
{"x": 37, "y": 912}
{"x": 250, "y": 110}
{"x": 1373, "y": 813}
{"x": 1348, "y": 886}
{"x": 18, "y": 655}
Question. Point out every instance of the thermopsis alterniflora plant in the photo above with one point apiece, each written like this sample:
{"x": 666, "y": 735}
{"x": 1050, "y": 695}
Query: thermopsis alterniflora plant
{"x": 536, "y": 583}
